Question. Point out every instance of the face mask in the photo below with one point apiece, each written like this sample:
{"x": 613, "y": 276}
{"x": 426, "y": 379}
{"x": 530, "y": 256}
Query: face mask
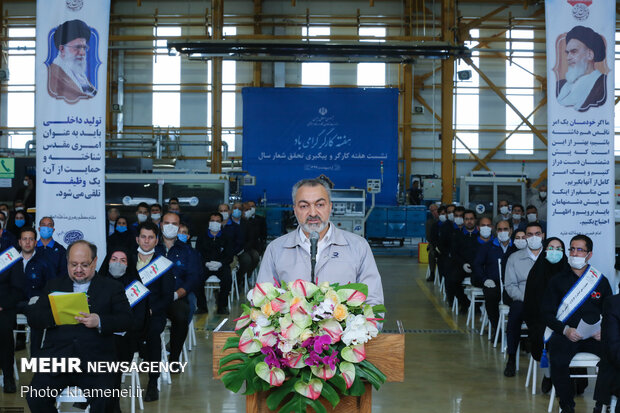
{"x": 225, "y": 216}
{"x": 170, "y": 231}
{"x": 451, "y": 216}
{"x": 155, "y": 217}
{"x": 121, "y": 228}
{"x": 183, "y": 237}
{"x": 577, "y": 262}
{"x": 149, "y": 252}
{"x": 236, "y": 213}
{"x": 516, "y": 217}
{"x": 19, "y": 208}
{"x": 521, "y": 243}
{"x": 117, "y": 269}
{"x": 543, "y": 195}
{"x": 531, "y": 217}
{"x": 20, "y": 223}
{"x": 25, "y": 183}
{"x": 248, "y": 214}
{"x": 503, "y": 236}
{"x": 142, "y": 217}
{"x": 534, "y": 242}
{"x": 458, "y": 221}
{"x": 215, "y": 226}
{"x": 176, "y": 212}
{"x": 485, "y": 232}
{"x": 503, "y": 210}
{"x": 554, "y": 256}
{"x": 442, "y": 218}
{"x": 46, "y": 232}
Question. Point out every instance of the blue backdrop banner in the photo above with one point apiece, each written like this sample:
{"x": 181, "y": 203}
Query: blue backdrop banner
{"x": 350, "y": 135}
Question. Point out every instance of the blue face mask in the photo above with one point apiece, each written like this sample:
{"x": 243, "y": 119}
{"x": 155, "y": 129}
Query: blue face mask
{"x": 46, "y": 232}
{"x": 121, "y": 228}
{"x": 554, "y": 256}
{"x": 182, "y": 237}
{"x": 20, "y": 223}
{"x": 236, "y": 213}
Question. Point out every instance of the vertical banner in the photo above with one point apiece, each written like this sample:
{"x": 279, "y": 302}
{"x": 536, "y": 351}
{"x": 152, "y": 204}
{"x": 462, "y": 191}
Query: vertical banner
{"x": 71, "y": 67}
{"x": 580, "y": 89}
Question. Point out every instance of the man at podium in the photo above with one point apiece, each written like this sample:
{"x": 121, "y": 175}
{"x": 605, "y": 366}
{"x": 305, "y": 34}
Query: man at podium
{"x": 318, "y": 251}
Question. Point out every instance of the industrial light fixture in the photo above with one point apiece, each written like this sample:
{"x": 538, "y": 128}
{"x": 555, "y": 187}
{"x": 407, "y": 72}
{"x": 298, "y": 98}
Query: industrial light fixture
{"x": 464, "y": 74}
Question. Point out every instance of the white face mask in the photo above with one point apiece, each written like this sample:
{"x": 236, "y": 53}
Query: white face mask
{"x": 142, "y": 217}
{"x": 170, "y": 231}
{"x": 451, "y": 216}
{"x": 503, "y": 210}
{"x": 543, "y": 195}
{"x": 20, "y": 208}
{"x": 520, "y": 243}
{"x": 534, "y": 242}
{"x": 149, "y": 252}
{"x": 155, "y": 217}
{"x": 248, "y": 214}
{"x": 25, "y": 183}
{"x": 215, "y": 226}
{"x": 442, "y": 218}
{"x": 503, "y": 236}
{"x": 458, "y": 221}
{"x": 516, "y": 217}
{"x": 531, "y": 217}
{"x": 485, "y": 232}
{"x": 577, "y": 262}
{"x": 225, "y": 216}
{"x": 117, "y": 269}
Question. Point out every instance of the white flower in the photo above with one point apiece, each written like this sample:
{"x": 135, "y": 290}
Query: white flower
{"x": 323, "y": 311}
{"x": 249, "y": 296}
{"x": 358, "y": 330}
{"x": 263, "y": 321}
{"x": 286, "y": 346}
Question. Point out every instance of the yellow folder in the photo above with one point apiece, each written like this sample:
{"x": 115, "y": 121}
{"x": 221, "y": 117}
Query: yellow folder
{"x": 66, "y": 306}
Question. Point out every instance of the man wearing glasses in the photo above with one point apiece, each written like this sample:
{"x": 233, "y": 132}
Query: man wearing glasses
{"x": 90, "y": 340}
{"x": 573, "y": 296}
{"x": 67, "y": 77}
{"x": 517, "y": 269}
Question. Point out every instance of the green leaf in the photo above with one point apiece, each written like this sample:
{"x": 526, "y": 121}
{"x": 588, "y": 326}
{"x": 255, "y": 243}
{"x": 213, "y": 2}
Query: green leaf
{"x": 229, "y": 368}
{"x": 297, "y": 404}
{"x": 244, "y": 372}
{"x": 357, "y": 388}
{"x": 339, "y": 383}
{"x": 317, "y": 406}
{"x": 371, "y": 367}
{"x": 246, "y": 308}
{"x": 231, "y": 357}
{"x": 379, "y": 308}
{"x": 276, "y": 397}
{"x": 330, "y": 394}
{"x": 363, "y": 288}
{"x": 231, "y": 342}
{"x": 372, "y": 379}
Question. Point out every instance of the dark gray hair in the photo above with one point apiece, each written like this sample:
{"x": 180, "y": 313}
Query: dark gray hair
{"x": 50, "y": 218}
{"x": 312, "y": 182}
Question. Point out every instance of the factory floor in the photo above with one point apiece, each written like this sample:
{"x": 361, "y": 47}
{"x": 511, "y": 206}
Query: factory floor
{"x": 448, "y": 368}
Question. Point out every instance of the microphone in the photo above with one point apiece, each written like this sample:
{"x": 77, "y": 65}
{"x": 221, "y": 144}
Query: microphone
{"x": 314, "y": 239}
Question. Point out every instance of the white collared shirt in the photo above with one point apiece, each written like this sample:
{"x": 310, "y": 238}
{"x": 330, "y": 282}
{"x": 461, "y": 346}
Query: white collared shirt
{"x": 80, "y": 288}
{"x": 531, "y": 254}
{"x": 320, "y": 246}
{"x": 26, "y": 261}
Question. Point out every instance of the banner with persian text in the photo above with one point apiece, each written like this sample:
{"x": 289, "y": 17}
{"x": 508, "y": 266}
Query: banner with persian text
{"x": 71, "y": 67}
{"x": 580, "y": 88}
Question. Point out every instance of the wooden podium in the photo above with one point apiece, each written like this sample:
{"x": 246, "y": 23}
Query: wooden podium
{"x": 386, "y": 351}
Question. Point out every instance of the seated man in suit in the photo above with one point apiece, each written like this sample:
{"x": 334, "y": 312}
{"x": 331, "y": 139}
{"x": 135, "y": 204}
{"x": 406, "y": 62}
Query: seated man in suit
{"x": 91, "y": 340}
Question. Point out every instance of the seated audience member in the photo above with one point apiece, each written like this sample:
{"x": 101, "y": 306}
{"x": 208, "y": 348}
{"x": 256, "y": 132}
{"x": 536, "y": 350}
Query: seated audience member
{"x": 175, "y": 207}
{"x": 91, "y": 340}
{"x": 462, "y": 253}
{"x": 610, "y": 358}
{"x": 6, "y": 234}
{"x": 232, "y": 228}
{"x": 160, "y": 297}
{"x": 118, "y": 266}
{"x": 155, "y": 214}
{"x": 429, "y": 227}
{"x": 53, "y": 251}
{"x": 142, "y": 215}
{"x": 532, "y": 216}
{"x": 487, "y": 271}
{"x": 503, "y": 212}
{"x": 517, "y": 270}
{"x": 539, "y": 201}
{"x": 542, "y": 272}
{"x": 11, "y": 293}
{"x": 19, "y": 221}
{"x": 563, "y": 312}
{"x": 216, "y": 250}
{"x": 122, "y": 236}
{"x": 110, "y": 222}
{"x": 5, "y": 208}
{"x": 185, "y": 237}
{"x": 261, "y": 225}
{"x": 446, "y": 231}
{"x": 34, "y": 271}
{"x": 517, "y": 218}
{"x": 18, "y": 205}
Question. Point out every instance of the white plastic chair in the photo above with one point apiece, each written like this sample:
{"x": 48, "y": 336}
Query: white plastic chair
{"x": 136, "y": 388}
{"x": 532, "y": 371}
{"x": 75, "y": 396}
{"x": 587, "y": 360}
{"x": 191, "y": 336}
{"x": 475, "y": 296}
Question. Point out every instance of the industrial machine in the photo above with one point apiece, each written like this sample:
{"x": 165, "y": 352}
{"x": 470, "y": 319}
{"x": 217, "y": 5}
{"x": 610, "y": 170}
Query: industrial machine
{"x": 483, "y": 190}
{"x": 349, "y": 209}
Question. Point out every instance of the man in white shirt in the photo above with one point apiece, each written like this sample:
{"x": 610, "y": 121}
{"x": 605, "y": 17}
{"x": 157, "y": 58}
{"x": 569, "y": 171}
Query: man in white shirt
{"x": 342, "y": 257}
{"x": 584, "y": 86}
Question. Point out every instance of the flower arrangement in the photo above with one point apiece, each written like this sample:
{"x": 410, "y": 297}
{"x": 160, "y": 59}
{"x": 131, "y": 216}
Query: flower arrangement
{"x": 303, "y": 341}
